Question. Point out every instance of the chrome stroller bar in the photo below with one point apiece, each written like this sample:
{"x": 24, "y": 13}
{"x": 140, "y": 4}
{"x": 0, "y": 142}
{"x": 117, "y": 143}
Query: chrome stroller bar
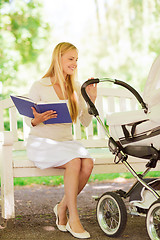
{"x": 107, "y": 80}
{"x": 113, "y": 145}
{"x": 102, "y": 124}
{"x": 139, "y": 179}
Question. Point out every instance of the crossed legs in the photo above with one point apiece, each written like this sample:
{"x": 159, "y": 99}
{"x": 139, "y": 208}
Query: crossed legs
{"x": 77, "y": 173}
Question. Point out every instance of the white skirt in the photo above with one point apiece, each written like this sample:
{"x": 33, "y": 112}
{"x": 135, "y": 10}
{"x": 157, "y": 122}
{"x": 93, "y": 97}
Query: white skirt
{"x": 47, "y": 153}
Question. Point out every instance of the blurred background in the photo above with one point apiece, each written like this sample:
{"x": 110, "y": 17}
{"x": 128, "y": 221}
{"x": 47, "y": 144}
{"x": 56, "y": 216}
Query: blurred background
{"x": 116, "y": 38}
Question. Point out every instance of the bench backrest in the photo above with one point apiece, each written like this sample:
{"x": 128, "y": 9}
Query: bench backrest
{"x": 108, "y": 100}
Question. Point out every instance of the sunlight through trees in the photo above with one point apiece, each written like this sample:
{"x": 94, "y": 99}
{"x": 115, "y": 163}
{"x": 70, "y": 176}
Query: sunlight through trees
{"x": 115, "y": 38}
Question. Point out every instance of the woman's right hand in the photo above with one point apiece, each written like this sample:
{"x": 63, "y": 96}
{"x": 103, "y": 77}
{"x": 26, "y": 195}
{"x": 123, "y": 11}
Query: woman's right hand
{"x": 41, "y": 117}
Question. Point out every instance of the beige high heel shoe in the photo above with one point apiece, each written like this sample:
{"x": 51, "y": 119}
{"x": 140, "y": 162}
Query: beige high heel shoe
{"x": 83, "y": 235}
{"x": 60, "y": 227}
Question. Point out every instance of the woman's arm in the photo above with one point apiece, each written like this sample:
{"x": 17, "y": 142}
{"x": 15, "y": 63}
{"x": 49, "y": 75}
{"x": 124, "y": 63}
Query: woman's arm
{"x": 84, "y": 117}
{"x": 91, "y": 90}
{"x": 38, "y": 117}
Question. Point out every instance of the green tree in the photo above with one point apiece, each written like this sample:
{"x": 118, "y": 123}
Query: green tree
{"x": 23, "y": 35}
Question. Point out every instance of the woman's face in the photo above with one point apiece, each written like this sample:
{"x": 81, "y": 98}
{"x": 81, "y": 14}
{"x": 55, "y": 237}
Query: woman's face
{"x": 69, "y": 62}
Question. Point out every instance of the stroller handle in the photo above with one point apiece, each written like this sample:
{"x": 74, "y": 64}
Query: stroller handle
{"x": 92, "y": 109}
{"x": 134, "y": 92}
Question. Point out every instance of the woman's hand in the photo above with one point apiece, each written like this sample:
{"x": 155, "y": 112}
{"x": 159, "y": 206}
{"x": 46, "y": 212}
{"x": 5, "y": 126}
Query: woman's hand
{"x": 41, "y": 117}
{"x": 91, "y": 90}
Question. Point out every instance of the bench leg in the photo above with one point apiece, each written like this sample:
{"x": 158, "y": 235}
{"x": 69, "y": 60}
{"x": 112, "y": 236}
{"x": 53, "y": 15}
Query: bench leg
{"x": 7, "y": 185}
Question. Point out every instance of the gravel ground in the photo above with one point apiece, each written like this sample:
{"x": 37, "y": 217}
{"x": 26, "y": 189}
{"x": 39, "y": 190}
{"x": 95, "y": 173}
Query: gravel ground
{"x": 35, "y": 219}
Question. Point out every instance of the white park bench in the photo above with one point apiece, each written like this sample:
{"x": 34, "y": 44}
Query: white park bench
{"x": 14, "y": 162}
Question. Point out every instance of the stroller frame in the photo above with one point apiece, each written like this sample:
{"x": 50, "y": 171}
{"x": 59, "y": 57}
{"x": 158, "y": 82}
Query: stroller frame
{"x": 121, "y": 155}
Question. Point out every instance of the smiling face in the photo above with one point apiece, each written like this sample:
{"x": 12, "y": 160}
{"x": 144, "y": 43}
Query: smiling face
{"x": 69, "y": 62}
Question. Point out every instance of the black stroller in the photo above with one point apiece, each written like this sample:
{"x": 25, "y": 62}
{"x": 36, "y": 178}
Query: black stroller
{"x": 144, "y": 195}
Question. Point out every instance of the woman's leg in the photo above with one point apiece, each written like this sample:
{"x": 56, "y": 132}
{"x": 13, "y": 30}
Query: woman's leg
{"x": 77, "y": 173}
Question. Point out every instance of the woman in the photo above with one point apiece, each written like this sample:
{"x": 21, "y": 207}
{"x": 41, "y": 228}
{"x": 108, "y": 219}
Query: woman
{"x": 51, "y": 145}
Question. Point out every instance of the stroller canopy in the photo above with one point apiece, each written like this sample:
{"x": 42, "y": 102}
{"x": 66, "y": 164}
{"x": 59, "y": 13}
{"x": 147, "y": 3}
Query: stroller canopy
{"x": 151, "y": 93}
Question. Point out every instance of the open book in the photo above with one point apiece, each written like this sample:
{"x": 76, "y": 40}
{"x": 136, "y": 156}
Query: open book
{"x": 24, "y": 104}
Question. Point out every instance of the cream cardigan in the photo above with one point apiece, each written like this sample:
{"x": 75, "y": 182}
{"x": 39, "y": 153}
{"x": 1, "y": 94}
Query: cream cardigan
{"x": 43, "y": 91}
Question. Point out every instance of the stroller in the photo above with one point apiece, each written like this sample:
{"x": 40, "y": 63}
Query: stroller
{"x": 135, "y": 134}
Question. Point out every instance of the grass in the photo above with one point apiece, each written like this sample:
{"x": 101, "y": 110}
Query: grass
{"x": 112, "y": 176}
{"x": 49, "y": 181}
{"x": 58, "y": 180}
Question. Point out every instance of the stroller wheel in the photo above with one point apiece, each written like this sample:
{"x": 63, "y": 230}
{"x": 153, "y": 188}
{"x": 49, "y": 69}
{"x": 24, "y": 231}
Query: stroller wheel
{"x": 153, "y": 221}
{"x": 111, "y": 214}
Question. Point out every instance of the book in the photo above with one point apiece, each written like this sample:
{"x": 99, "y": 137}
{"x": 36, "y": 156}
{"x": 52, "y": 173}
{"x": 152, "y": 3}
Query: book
{"x": 24, "y": 106}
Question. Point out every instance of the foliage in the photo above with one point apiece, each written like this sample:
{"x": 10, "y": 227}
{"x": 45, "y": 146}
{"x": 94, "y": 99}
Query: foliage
{"x": 126, "y": 40}
{"x": 23, "y": 36}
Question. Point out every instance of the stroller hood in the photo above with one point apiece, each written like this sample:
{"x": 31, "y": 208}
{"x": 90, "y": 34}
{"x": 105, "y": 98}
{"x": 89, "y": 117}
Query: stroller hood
{"x": 151, "y": 93}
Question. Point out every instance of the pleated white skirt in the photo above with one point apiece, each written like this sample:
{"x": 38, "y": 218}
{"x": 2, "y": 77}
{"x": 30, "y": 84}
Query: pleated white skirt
{"x": 47, "y": 153}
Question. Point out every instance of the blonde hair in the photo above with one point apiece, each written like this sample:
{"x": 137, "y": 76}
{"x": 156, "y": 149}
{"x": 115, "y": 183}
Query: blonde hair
{"x": 56, "y": 70}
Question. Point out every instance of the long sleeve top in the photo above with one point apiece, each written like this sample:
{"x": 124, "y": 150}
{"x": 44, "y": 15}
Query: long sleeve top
{"x": 43, "y": 91}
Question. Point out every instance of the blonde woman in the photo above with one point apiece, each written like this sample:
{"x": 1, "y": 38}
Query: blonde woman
{"x": 52, "y": 145}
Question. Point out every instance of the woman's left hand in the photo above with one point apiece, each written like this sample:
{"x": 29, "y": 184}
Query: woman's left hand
{"x": 91, "y": 90}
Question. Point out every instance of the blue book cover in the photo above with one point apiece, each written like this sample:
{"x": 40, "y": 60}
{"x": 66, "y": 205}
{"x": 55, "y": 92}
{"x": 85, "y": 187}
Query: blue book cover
{"x": 24, "y": 106}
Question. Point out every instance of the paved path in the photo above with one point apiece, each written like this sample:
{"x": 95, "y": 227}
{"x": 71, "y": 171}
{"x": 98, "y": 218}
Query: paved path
{"x": 35, "y": 219}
